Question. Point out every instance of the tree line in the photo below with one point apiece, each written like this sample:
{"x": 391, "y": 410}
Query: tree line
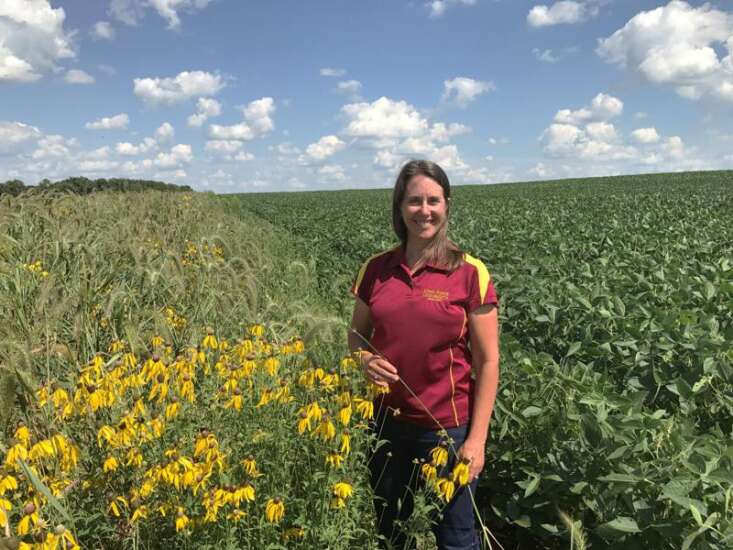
{"x": 84, "y": 186}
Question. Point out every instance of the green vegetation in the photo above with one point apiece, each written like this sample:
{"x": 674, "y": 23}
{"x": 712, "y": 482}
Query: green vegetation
{"x": 615, "y": 411}
{"x": 84, "y": 186}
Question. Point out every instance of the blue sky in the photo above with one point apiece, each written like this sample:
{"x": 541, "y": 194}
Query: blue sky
{"x": 236, "y": 96}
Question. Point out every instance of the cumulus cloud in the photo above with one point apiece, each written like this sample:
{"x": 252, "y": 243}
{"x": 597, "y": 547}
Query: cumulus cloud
{"x": 602, "y": 107}
{"x": 206, "y": 108}
{"x": 324, "y": 147}
{"x": 383, "y": 118}
{"x": 179, "y": 154}
{"x": 463, "y": 90}
{"x": 53, "y": 146}
{"x": 221, "y": 146}
{"x": 328, "y": 71}
{"x": 102, "y": 30}
{"x": 332, "y": 172}
{"x": 77, "y": 76}
{"x": 32, "y": 39}
{"x": 126, "y": 148}
{"x": 257, "y": 122}
{"x": 109, "y": 123}
{"x": 675, "y": 45}
{"x": 165, "y": 133}
{"x": 563, "y": 12}
{"x": 586, "y": 133}
{"x": 349, "y": 87}
{"x": 183, "y": 86}
{"x": 437, "y": 7}
{"x": 131, "y": 12}
{"x": 645, "y": 135}
{"x": 13, "y": 134}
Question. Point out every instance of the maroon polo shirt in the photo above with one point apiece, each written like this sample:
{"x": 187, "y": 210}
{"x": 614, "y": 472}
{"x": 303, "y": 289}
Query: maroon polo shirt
{"x": 420, "y": 323}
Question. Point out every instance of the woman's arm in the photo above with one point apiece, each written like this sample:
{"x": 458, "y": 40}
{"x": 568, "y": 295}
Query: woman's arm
{"x": 376, "y": 368}
{"x": 484, "y": 330}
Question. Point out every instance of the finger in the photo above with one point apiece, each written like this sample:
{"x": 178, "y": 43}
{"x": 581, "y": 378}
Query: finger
{"x": 385, "y": 365}
{"x": 381, "y": 371}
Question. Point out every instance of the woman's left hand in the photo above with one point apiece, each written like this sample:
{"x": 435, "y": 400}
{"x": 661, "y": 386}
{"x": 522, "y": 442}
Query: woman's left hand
{"x": 475, "y": 452}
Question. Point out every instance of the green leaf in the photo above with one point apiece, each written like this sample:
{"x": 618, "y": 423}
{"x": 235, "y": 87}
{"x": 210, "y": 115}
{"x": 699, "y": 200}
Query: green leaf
{"x": 574, "y": 347}
{"x": 696, "y": 514}
{"x": 41, "y": 487}
{"x": 619, "y": 527}
{"x": 531, "y": 411}
{"x": 532, "y": 487}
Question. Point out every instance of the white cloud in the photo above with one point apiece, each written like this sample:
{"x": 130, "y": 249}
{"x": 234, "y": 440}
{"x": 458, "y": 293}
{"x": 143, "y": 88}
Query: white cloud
{"x": 165, "y": 133}
{"x": 129, "y": 149}
{"x": 602, "y": 107}
{"x": 333, "y": 172}
{"x": 99, "y": 153}
{"x": 206, "y": 108}
{"x": 324, "y": 147}
{"x": 183, "y": 86}
{"x": 463, "y": 90}
{"x": 442, "y": 132}
{"x": 674, "y": 45}
{"x": 540, "y": 170}
{"x": 131, "y": 11}
{"x": 243, "y": 156}
{"x": 77, "y": 76}
{"x": 102, "y": 30}
{"x": 223, "y": 147}
{"x": 437, "y": 7}
{"x": 258, "y": 122}
{"x": 32, "y": 39}
{"x": 645, "y": 135}
{"x": 179, "y": 154}
{"x": 349, "y": 87}
{"x": 546, "y": 56}
{"x": 13, "y": 134}
{"x": 585, "y": 133}
{"x": 53, "y": 146}
{"x": 383, "y": 118}
{"x": 241, "y": 131}
{"x": 258, "y": 114}
{"x": 97, "y": 165}
{"x": 563, "y": 12}
{"x": 109, "y": 123}
{"x": 327, "y": 71}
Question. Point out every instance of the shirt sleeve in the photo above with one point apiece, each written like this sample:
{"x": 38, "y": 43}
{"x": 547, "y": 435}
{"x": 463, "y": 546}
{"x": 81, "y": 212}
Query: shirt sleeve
{"x": 481, "y": 289}
{"x": 364, "y": 282}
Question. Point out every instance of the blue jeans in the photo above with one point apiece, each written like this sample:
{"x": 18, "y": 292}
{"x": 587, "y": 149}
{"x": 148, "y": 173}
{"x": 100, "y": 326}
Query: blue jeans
{"x": 395, "y": 476}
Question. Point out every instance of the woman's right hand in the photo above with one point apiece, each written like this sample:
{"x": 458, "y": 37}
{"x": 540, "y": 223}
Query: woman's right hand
{"x": 378, "y": 370}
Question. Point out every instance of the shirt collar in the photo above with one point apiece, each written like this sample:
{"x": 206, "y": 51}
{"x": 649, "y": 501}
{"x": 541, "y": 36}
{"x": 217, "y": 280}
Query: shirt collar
{"x": 398, "y": 258}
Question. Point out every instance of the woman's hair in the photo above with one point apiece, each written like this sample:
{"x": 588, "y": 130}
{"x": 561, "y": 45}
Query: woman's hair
{"x": 441, "y": 251}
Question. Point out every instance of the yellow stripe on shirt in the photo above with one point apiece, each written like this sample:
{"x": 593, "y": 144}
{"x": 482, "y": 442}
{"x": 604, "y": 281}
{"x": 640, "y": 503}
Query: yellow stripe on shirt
{"x": 364, "y": 267}
{"x": 483, "y": 274}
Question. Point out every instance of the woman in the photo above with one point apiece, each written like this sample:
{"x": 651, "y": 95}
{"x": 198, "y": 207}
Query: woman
{"x": 425, "y": 316}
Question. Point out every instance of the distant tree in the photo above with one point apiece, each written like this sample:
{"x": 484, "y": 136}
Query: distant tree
{"x": 83, "y": 186}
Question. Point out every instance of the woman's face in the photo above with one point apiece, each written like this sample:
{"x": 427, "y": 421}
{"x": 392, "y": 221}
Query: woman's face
{"x": 424, "y": 208}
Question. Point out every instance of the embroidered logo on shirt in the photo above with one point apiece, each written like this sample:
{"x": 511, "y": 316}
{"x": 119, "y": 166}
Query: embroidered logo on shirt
{"x": 435, "y": 295}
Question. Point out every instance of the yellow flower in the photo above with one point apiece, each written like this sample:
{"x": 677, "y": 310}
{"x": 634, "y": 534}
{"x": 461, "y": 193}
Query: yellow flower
{"x": 334, "y": 460}
{"x": 304, "y": 422}
{"x": 111, "y": 464}
{"x": 274, "y": 510}
{"x": 445, "y": 488}
{"x": 117, "y": 345}
{"x": 343, "y": 490}
{"x": 8, "y": 483}
{"x": 345, "y": 415}
{"x": 182, "y": 520}
{"x": 209, "y": 340}
{"x": 157, "y": 341}
{"x": 23, "y": 435}
{"x": 250, "y": 466}
{"x": 326, "y": 430}
{"x": 272, "y": 364}
{"x": 115, "y": 504}
{"x": 364, "y": 407}
{"x": 429, "y": 471}
{"x": 256, "y": 330}
{"x": 345, "y": 443}
{"x": 460, "y": 472}
{"x": 439, "y": 456}
{"x": 140, "y": 513}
